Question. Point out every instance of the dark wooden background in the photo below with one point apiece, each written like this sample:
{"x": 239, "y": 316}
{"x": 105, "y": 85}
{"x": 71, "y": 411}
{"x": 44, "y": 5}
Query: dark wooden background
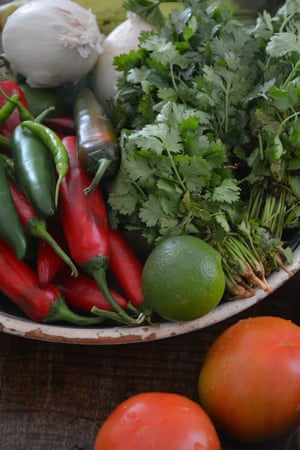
{"x": 55, "y": 396}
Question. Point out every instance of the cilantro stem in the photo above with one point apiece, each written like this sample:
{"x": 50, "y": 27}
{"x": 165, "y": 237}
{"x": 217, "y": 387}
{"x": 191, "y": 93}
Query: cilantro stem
{"x": 267, "y": 206}
{"x": 292, "y": 74}
{"x": 286, "y": 120}
{"x": 285, "y": 22}
{"x": 226, "y": 106}
{"x": 180, "y": 181}
{"x": 235, "y": 283}
{"x": 244, "y": 261}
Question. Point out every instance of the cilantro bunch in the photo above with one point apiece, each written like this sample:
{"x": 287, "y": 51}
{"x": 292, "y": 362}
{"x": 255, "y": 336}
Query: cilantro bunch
{"x": 208, "y": 115}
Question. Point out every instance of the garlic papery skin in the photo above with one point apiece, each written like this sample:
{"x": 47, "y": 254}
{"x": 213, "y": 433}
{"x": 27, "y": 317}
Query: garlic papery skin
{"x": 52, "y": 42}
{"x": 122, "y": 39}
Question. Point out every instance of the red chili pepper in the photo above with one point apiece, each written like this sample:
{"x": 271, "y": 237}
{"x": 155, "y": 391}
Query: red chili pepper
{"x": 126, "y": 267}
{"x": 36, "y": 226}
{"x": 20, "y": 284}
{"x": 48, "y": 263}
{"x": 63, "y": 125}
{"x": 11, "y": 88}
{"x": 83, "y": 293}
{"x": 84, "y": 221}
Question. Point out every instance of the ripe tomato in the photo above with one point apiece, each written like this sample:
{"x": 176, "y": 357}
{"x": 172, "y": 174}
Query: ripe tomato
{"x": 160, "y": 421}
{"x": 249, "y": 383}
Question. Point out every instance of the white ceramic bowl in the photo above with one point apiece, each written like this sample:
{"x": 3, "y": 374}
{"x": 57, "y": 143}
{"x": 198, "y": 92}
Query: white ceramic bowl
{"x": 12, "y": 324}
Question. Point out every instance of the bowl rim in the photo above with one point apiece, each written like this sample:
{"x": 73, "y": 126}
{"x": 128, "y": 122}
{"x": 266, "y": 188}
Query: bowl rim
{"x": 66, "y": 334}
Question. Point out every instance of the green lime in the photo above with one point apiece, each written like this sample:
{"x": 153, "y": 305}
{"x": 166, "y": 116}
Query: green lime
{"x": 183, "y": 278}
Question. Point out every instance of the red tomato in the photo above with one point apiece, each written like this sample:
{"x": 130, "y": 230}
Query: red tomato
{"x": 160, "y": 421}
{"x": 249, "y": 383}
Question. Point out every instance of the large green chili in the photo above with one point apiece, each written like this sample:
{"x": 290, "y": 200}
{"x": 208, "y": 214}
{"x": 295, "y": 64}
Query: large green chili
{"x": 11, "y": 229}
{"x": 34, "y": 170}
{"x": 55, "y": 146}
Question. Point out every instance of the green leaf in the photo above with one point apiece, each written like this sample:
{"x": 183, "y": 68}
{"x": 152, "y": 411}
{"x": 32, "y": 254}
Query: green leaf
{"x": 294, "y": 182}
{"x": 275, "y": 151}
{"x": 157, "y": 137}
{"x": 283, "y": 43}
{"x": 147, "y": 10}
{"x": 195, "y": 172}
{"x": 227, "y": 192}
{"x": 164, "y": 51}
{"x": 221, "y": 220}
{"x": 137, "y": 167}
{"x": 284, "y": 98}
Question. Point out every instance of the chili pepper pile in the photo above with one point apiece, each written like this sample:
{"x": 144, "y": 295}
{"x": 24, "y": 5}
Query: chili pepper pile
{"x": 59, "y": 258}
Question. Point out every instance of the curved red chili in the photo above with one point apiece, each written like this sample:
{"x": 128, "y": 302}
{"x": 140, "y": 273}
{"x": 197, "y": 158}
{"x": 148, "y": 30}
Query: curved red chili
{"x": 126, "y": 267}
{"x": 18, "y": 281}
{"x": 48, "y": 263}
{"x": 85, "y": 228}
{"x": 84, "y": 221}
{"x": 83, "y": 293}
{"x": 64, "y": 126}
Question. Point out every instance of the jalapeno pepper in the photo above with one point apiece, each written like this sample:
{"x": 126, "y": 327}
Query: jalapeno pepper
{"x": 20, "y": 284}
{"x": 11, "y": 228}
{"x": 55, "y": 146}
{"x": 97, "y": 143}
{"x": 84, "y": 221}
{"x": 34, "y": 170}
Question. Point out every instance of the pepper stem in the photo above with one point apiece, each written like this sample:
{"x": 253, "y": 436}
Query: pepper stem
{"x": 60, "y": 312}
{"x": 99, "y": 276}
{"x": 43, "y": 115}
{"x": 37, "y": 227}
{"x": 5, "y": 142}
{"x": 103, "y": 165}
{"x": 57, "y": 188}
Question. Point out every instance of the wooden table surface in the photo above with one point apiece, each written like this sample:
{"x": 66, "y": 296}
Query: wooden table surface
{"x": 55, "y": 396}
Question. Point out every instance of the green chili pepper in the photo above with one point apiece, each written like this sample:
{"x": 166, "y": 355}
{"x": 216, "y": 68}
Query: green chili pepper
{"x": 4, "y": 142}
{"x": 56, "y": 147}
{"x": 7, "y": 109}
{"x": 9, "y": 166}
{"x": 11, "y": 229}
{"x": 24, "y": 112}
{"x": 34, "y": 170}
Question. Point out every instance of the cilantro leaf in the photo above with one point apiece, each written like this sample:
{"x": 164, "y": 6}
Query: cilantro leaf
{"x": 227, "y": 192}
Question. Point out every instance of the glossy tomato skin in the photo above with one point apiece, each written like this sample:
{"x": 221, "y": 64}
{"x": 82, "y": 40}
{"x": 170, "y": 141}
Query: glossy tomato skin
{"x": 160, "y": 421}
{"x": 249, "y": 383}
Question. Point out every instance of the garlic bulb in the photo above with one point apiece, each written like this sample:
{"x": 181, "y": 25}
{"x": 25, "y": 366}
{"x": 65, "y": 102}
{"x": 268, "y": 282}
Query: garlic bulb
{"x": 52, "y": 42}
{"x": 122, "y": 39}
